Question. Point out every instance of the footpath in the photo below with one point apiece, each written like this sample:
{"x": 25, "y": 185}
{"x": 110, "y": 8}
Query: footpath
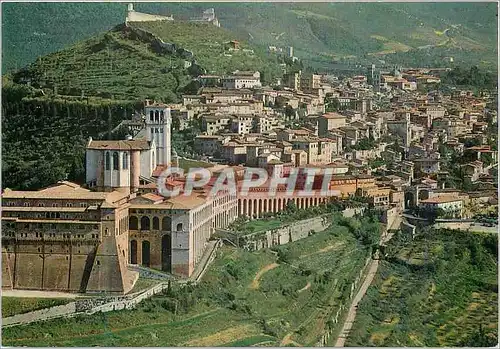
{"x": 351, "y": 315}
{"x": 90, "y": 306}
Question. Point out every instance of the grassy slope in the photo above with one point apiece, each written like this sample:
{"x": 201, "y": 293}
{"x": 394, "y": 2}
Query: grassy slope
{"x": 224, "y": 309}
{"x": 341, "y": 29}
{"x": 435, "y": 292}
{"x": 17, "y": 305}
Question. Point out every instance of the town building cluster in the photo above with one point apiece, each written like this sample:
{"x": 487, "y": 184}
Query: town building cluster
{"x": 378, "y": 134}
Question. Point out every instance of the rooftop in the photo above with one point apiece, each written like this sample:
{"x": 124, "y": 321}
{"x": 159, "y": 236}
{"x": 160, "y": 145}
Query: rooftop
{"x": 131, "y": 144}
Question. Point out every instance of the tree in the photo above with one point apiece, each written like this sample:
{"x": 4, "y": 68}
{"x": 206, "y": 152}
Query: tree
{"x": 291, "y": 207}
{"x": 332, "y": 105}
{"x": 176, "y": 123}
{"x": 289, "y": 111}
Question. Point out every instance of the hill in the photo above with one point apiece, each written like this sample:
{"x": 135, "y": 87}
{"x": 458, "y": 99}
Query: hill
{"x": 129, "y": 62}
{"x": 440, "y": 289}
{"x": 416, "y": 34}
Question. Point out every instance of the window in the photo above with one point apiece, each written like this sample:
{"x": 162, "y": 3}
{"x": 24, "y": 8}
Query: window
{"x": 145, "y": 224}
{"x": 115, "y": 161}
{"x": 157, "y": 116}
{"x": 125, "y": 161}
{"x": 69, "y": 204}
{"x": 161, "y": 130}
{"x": 156, "y": 223}
{"x": 107, "y": 161}
{"x": 151, "y": 117}
{"x": 40, "y": 205}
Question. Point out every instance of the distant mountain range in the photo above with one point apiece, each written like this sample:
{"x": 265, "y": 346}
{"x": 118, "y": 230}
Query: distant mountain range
{"x": 321, "y": 33}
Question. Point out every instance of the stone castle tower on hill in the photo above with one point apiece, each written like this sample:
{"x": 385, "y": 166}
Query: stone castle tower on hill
{"x": 208, "y": 16}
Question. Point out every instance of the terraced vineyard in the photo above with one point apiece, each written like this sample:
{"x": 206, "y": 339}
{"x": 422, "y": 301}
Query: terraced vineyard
{"x": 434, "y": 291}
{"x": 266, "y": 298}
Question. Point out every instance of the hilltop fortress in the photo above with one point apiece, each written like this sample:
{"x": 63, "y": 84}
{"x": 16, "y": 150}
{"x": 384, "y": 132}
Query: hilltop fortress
{"x": 208, "y": 17}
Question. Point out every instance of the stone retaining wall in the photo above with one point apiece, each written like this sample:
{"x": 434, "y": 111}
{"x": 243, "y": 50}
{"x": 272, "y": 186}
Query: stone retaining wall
{"x": 292, "y": 232}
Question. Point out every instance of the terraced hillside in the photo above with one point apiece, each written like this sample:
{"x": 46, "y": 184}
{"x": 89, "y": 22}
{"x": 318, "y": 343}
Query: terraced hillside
{"x": 440, "y": 289}
{"x": 123, "y": 64}
{"x": 265, "y": 298}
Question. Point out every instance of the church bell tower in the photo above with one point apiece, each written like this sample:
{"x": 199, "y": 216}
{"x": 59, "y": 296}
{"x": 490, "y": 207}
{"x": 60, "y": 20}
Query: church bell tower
{"x": 158, "y": 127}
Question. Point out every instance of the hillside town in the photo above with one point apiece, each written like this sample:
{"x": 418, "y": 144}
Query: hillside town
{"x": 255, "y": 174}
{"x": 419, "y": 155}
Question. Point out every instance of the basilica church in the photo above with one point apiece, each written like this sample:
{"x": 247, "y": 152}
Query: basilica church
{"x": 76, "y": 238}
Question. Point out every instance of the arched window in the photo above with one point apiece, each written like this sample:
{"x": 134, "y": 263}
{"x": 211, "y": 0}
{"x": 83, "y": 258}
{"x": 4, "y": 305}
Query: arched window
{"x": 133, "y": 223}
{"x": 115, "y": 161}
{"x": 157, "y": 116}
{"x": 125, "y": 161}
{"x": 156, "y": 223}
{"x": 107, "y": 161}
{"x": 145, "y": 223}
{"x": 151, "y": 118}
{"x": 166, "y": 224}
{"x": 179, "y": 227}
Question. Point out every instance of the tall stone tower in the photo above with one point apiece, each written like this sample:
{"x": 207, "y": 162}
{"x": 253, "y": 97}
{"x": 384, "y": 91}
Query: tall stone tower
{"x": 158, "y": 127}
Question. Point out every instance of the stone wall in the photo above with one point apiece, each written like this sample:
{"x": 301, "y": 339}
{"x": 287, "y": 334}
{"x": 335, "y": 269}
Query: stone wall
{"x": 392, "y": 218}
{"x": 408, "y": 228}
{"x": 343, "y": 307}
{"x": 280, "y": 236}
{"x": 60, "y": 266}
{"x": 291, "y": 232}
{"x": 103, "y": 304}
{"x": 133, "y": 16}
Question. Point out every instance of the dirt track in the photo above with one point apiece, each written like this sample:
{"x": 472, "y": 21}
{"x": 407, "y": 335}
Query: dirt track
{"x": 255, "y": 282}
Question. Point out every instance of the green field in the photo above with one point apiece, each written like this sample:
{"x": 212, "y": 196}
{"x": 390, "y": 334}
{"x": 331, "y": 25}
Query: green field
{"x": 433, "y": 291}
{"x": 286, "y": 296}
{"x": 20, "y": 305}
{"x": 186, "y": 164}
